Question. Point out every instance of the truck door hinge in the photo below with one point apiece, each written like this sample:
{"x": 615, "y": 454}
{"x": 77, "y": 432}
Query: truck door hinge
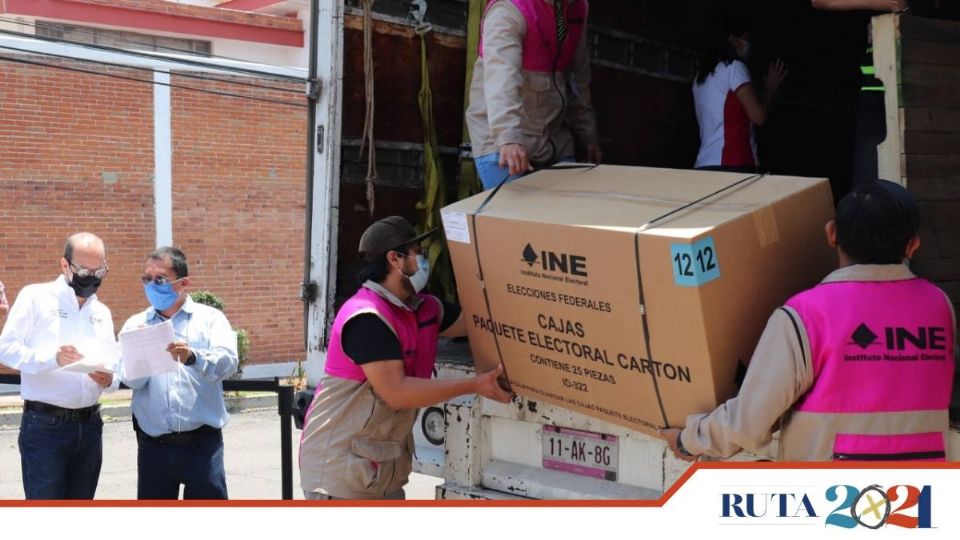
{"x": 308, "y": 292}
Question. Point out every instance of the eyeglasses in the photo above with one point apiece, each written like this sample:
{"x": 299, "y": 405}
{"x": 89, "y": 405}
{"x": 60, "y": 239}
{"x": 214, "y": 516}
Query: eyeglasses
{"x": 162, "y": 279}
{"x": 413, "y": 249}
{"x": 82, "y": 272}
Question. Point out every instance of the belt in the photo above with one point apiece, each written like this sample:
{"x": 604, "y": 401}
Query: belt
{"x": 178, "y": 437}
{"x": 74, "y": 415}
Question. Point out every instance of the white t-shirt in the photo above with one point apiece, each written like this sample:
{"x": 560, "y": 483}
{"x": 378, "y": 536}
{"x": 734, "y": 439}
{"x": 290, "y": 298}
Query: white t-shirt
{"x": 726, "y": 133}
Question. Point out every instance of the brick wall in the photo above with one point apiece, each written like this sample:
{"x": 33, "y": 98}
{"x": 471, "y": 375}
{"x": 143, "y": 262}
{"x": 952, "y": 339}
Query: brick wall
{"x": 76, "y": 153}
{"x": 239, "y": 202}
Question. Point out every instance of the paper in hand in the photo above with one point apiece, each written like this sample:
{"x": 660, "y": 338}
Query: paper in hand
{"x": 98, "y": 355}
{"x": 143, "y": 351}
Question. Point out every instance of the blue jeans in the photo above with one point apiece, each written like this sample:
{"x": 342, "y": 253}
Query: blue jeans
{"x": 197, "y": 464}
{"x": 492, "y": 174}
{"x": 60, "y": 458}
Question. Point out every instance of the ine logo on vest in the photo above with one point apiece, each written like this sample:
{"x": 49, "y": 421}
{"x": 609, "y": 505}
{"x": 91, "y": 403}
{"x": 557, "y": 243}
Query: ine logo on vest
{"x": 902, "y": 344}
{"x": 553, "y": 266}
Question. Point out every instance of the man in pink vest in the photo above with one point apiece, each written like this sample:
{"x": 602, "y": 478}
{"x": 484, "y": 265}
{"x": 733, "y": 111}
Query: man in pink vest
{"x": 530, "y": 93}
{"x": 357, "y": 440}
{"x": 858, "y": 368}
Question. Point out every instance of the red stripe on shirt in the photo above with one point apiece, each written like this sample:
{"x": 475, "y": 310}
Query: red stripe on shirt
{"x": 737, "y": 150}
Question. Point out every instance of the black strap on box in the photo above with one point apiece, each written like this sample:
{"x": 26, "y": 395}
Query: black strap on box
{"x": 643, "y": 306}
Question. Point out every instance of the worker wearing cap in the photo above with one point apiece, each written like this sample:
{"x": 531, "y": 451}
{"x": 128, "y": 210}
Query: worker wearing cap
{"x": 357, "y": 440}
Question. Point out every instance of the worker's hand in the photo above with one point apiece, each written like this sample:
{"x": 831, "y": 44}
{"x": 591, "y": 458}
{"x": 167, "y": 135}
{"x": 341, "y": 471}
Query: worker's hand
{"x": 672, "y": 435}
{"x": 594, "y": 155}
{"x": 102, "y": 378}
{"x": 514, "y": 157}
{"x": 180, "y": 351}
{"x": 775, "y": 76}
{"x": 67, "y": 355}
{"x": 489, "y": 387}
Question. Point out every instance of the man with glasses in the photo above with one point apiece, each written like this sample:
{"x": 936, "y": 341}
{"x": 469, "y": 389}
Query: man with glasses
{"x": 357, "y": 441}
{"x": 178, "y": 415}
{"x": 49, "y": 327}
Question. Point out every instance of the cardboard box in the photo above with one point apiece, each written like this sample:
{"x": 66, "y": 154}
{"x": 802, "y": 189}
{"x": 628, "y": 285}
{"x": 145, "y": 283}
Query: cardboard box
{"x": 633, "y": 294}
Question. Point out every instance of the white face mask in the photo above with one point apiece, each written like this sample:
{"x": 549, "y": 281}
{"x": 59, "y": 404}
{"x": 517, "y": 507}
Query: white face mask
{"x": 420, "y": 278}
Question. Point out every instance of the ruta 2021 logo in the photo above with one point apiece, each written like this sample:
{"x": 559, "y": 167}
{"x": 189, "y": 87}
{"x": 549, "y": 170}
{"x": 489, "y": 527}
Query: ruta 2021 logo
{"x": 850, "y": 507}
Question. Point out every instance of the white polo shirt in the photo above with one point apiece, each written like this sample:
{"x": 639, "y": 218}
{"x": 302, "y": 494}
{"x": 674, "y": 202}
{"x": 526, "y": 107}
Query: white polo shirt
{"x": 44, "y": 317}
{"x": 726, "y": 133}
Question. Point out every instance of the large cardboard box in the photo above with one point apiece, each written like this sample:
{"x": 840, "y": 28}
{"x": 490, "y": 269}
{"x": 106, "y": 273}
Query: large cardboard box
{"x": 633, "y": 294}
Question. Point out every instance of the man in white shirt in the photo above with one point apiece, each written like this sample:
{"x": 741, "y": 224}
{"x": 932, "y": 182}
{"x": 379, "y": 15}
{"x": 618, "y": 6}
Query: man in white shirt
{"x": 48, "y": 328}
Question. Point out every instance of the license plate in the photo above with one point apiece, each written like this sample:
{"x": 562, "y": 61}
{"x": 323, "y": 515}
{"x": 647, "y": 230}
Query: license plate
{"x": 580, "y": 452}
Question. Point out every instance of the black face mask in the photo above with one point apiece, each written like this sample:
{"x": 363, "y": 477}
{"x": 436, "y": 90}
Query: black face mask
{"x": 85, "y": 287}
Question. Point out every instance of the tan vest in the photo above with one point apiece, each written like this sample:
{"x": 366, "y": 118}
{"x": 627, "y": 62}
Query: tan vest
{"x": 354, "y": 446}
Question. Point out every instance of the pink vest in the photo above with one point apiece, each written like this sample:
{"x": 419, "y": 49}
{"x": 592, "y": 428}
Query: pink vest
{"x": 540, "y": 43}
{"x": 878, "y": 347}
{"x": 417, "y": 330}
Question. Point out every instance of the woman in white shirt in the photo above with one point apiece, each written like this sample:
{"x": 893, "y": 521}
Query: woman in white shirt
{"x": 727, "y": 106}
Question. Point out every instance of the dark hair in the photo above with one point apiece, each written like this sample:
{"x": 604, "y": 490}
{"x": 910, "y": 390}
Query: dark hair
{"x": 375, "y": 271}
{"x": 876, "y": 221}
{"x": 721, "y": 50}
{"x": 178, "y": 261}
{"x": 378, "y": 269}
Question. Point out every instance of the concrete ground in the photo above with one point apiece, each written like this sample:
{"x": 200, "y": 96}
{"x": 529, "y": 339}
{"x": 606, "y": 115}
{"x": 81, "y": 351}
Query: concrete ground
{"x": 251, "y": 453}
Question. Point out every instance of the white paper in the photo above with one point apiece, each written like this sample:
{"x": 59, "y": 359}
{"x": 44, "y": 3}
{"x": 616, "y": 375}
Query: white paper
{"x": 143, "y": 351}
{"x": 97, "y": 356}
{"x": 455, "y": 227}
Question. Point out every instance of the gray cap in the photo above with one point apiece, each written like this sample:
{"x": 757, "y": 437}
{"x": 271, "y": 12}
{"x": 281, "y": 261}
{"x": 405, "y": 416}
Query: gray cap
{"x": 388, "y": 234}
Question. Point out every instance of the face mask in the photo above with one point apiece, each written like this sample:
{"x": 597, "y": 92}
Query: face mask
{"x": 420, "y": 278}
{"x": 161, "y": 297}
{"x": 84, "y": 287}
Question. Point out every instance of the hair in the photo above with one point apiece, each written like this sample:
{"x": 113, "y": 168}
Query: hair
{"x": 178, "y": 261}
{"x": 378, "y": 269}
{"x": 876, "y": 221}
{"x": 720, "y": 48}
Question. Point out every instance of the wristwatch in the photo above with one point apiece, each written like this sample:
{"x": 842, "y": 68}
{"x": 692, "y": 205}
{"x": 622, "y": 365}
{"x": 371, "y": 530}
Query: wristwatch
{"x": 191, "y": 360}
{"x": 683, "y": 451}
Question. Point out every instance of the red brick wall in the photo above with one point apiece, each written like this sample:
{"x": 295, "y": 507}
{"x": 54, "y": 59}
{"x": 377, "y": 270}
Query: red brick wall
{"x": 76, "y": 153}
{"x": 59, "y": 133}
{"x": 239, "y": 200}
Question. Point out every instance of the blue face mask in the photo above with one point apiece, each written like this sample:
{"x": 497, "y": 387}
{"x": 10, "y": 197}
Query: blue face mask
{"x": 161, "y": 297}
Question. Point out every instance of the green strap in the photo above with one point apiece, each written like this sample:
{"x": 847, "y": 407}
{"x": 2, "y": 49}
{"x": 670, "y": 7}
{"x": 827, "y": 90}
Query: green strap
{"x": 868, "y": 70}
{"x": 434, "y": 189}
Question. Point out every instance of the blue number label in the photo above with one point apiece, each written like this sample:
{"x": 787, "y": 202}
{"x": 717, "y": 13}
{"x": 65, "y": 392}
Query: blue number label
{"x": 695, "y": 264}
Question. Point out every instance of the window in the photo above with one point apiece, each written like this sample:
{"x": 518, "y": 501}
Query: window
{"x": 121, "y": 39}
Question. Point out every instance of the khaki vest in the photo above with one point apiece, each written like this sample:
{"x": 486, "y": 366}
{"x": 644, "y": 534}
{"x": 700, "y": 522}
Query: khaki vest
{"x": 354, "y": 446}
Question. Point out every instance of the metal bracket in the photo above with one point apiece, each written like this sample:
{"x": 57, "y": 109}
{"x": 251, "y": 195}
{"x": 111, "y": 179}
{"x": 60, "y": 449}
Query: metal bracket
{"x": 314, "y": 86}
{"x": 308, "y": 291}
{"x": 418, "y": 12}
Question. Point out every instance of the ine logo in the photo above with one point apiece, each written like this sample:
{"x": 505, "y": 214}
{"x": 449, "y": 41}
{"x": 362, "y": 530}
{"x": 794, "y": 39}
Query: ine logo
{"x": 897, "y": 338}
{"x": 863, "y": 336}
{"x": 575, "y": 265}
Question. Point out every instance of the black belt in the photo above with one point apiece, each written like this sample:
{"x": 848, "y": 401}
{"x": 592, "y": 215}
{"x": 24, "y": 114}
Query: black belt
{"x": 178, "y": 437}
{"x": 74, "y": 415}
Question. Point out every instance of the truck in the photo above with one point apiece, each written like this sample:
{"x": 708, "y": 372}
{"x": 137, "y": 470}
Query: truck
{"x": 369, "y": 162}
